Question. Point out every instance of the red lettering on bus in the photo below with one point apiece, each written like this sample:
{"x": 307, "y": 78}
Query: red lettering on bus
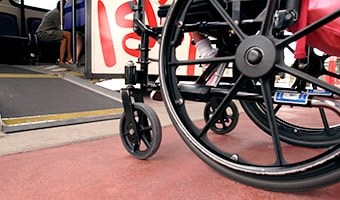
{"x": 162, "y": 2}
{"x": 131, "y": 36}
{"x": 105, "y": 36}
{"x": 123, "y": 11}
{"x": 192, "y": 55}
{"x": 121, "y": 21}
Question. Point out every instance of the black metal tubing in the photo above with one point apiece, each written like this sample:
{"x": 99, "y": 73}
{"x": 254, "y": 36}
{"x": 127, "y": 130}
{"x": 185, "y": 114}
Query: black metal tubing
{"x": 128, "y": 110}
{"x": 143, "y": 30}
{"x": 131, "y": 94}
{"x": 144, "y": 59}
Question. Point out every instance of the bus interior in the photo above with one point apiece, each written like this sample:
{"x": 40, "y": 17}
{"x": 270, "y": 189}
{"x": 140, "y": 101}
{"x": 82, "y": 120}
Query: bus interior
{"x": 36, "y": 92}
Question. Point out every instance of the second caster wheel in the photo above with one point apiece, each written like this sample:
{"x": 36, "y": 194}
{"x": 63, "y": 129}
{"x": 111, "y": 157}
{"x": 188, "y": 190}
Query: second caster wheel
{"x": 143, "y": 136}
{"x": 228, "y": 119}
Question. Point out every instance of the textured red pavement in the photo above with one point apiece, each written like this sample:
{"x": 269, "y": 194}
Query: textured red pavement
{"x": 102, "y": 169}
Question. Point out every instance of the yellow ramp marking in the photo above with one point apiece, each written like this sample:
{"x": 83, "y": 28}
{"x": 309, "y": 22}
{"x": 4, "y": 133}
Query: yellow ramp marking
{"x": 75, "y": 73}
{"x": 27, "y": 76}
{"x": 56, "y": 117}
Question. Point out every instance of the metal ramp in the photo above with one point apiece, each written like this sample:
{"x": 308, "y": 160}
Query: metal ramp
{"x": 30, "y": 99}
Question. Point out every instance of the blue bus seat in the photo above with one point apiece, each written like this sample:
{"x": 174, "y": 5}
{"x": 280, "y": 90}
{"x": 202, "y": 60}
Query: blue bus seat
{"x": 14, "y": 47}
{"x": 33, "y": 24}
{"x": 46, "y": 52}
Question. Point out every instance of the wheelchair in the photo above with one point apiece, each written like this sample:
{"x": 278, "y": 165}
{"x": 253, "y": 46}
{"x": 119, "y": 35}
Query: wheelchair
{"x": 252, "y": 44}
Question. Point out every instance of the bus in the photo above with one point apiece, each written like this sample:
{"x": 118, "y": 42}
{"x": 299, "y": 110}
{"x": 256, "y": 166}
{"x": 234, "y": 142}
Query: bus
{"x": 109, "y": 40}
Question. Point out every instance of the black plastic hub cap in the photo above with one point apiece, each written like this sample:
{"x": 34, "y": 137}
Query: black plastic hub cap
{"x": 255, "y": 56}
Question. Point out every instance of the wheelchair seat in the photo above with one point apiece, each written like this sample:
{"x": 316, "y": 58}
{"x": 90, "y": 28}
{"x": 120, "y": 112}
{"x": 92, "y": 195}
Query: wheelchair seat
{"x": 198, "y": 8}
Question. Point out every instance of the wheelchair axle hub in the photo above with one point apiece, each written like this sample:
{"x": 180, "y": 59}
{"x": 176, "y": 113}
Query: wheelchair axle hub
{"x": 255, "y": 56}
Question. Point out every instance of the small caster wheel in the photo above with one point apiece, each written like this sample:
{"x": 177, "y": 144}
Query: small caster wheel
{"x": 226, "y": 122}
{"x": 144, "y": 142}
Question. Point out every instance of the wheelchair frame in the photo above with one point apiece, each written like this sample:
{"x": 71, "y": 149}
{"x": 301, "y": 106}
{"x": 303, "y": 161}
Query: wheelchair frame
{"x": 133, "y": 130}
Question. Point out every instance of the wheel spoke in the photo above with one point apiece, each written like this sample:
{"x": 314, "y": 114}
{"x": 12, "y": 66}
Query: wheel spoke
{"x": 229, "y": 20}
{"x": 277, "y": 108}
{"x": 308, "y": 78}
{"x": 146, "y": 140}
{"x": 222, "y": 121}
{"x": 308, "y": 29}
{"x": 145, "y": 128}
{"x": 136, "y": 146}
{"x": 266, "y": 91}
{"x": 225, "y": 59}
{"x": 324, "y": 118}
{"x": 325, "y": 121}
{"x": 266, "y": 28}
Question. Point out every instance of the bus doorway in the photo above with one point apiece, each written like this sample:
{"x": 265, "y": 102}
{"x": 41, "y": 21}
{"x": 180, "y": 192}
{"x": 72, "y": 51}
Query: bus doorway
{"x": 36, "y": 92}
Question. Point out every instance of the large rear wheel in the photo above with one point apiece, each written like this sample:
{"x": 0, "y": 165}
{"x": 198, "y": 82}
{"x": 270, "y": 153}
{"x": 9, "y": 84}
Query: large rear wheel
{"x": 257, "y": 56}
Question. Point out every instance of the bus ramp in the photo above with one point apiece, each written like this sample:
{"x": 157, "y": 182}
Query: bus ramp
{"x": 30, "y": 99}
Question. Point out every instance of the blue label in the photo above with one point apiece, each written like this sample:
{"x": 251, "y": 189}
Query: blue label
{"x": 289, "y": 97}
{"x": 319, "y": 92}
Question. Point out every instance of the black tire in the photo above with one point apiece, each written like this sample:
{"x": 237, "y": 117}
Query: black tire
{"x": 146, "y": 141}
{"x": 317, "y": 170}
